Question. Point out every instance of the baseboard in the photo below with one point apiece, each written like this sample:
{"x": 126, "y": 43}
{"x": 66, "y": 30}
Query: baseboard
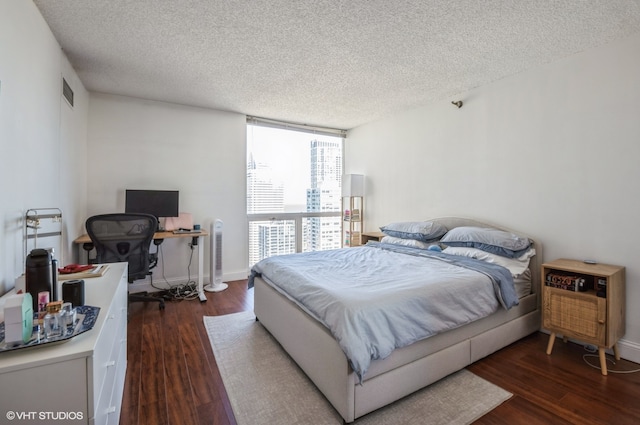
{"x": 629, "y": 350}
{"x": 159, "y": 282}
{"x": 240, "y": 275}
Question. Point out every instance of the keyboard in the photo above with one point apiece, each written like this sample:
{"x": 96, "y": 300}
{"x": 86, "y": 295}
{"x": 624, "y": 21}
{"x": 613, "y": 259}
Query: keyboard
{"x": 182, "y": 232}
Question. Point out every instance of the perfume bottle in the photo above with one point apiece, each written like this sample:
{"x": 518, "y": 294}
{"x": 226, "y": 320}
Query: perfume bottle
{"x": 67, "y": 318}
{"x": 52, "y": 326}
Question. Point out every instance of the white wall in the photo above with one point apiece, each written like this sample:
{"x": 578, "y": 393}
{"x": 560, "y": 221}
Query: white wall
{"x": 45, "y": 160}
{"x": 139, "y": 144}
{"x": 42, "y": 139}
{"x": 552, "y": 152}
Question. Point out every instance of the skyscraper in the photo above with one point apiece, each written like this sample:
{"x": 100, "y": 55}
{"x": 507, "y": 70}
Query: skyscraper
{"x": 264, "y": 195}
{"x": 324, "y": 195}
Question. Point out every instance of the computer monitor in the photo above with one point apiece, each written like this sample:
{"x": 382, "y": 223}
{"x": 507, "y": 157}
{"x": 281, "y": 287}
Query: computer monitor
{"x": 160, "y": 203}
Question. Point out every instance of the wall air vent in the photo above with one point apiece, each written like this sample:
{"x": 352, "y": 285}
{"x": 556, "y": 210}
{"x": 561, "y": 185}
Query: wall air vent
{"x": 67, "y": 92}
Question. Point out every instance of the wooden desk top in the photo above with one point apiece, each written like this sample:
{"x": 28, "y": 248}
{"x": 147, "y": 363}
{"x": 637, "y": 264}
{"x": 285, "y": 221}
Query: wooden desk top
{"x": 158, "y": 235}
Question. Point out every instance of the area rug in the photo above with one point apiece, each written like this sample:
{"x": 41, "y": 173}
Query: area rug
{"x": 265, "y": 386}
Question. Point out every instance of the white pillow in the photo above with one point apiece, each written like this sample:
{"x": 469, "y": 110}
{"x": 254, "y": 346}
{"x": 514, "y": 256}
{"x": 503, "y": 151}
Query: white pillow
{"x": 406, "y": 242}
{"x": 516, "y": 266}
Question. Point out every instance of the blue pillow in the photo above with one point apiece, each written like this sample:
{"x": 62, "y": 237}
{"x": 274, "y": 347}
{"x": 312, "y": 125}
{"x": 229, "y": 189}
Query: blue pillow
{"x": 424, "y": 231}
{"x": 488, "y": 239}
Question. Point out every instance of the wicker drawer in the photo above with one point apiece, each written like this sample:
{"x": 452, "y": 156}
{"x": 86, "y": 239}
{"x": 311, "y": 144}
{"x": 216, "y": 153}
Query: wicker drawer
{"x": 575, "y": 315}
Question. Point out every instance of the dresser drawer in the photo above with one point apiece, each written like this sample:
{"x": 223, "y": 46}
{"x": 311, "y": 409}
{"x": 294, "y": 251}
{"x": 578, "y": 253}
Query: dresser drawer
{"x": 108, "y": 345}
{"x": 108, "y": 405}
{"x": 50, "y": 387}
{"x": 118, "y": 387}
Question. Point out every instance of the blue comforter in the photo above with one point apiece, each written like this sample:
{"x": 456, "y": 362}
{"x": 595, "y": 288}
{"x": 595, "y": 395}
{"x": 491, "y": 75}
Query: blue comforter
{"x": 380, "y": 297}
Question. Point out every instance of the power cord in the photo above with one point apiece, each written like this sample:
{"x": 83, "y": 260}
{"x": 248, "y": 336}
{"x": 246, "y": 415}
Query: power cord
{"x": 592, "y": 350}
{"x": 180, "y": 291}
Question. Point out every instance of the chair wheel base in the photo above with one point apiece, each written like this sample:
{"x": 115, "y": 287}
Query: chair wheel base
{"x": 142, "y": 297}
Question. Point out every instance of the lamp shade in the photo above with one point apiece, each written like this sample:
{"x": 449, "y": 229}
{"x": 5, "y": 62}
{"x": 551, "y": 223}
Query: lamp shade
{"x": 353, "y": 185}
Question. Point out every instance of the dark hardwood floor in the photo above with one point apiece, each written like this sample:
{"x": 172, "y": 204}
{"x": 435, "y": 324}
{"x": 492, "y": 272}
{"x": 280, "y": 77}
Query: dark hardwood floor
{"x": 172, "y": 377}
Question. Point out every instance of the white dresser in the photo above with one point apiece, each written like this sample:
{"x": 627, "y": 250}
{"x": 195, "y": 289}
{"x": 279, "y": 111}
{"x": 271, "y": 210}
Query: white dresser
{"x": 80, "y": 381}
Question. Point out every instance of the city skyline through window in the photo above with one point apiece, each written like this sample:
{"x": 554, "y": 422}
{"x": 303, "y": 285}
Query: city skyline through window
{"x": 293, "y": 191}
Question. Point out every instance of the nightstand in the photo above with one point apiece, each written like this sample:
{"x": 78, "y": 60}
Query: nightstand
{"x": 585, "y": 302}
{"x": 371, "y": 236}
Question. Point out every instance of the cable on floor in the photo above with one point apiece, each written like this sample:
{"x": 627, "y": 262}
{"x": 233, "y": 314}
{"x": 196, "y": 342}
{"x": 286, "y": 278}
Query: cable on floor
{"x": 591, "y": 349}
{"x": 179, "y": 291}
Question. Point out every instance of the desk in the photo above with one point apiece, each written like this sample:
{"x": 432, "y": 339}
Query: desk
{"x": 159, "y": 236}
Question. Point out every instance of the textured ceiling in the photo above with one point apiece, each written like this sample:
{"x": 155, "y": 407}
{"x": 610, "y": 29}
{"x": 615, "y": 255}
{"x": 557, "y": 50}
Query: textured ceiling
{"x": 321, "y": 62}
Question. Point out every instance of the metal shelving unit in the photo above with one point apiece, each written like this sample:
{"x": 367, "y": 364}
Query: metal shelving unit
{"x": 43, "y": 223}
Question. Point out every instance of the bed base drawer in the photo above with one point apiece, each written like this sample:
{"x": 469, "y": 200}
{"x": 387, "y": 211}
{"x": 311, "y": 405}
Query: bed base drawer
{"x": 413, "y": 376}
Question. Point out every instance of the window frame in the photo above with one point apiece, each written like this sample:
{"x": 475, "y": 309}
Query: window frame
{"x": 296, "y": 217}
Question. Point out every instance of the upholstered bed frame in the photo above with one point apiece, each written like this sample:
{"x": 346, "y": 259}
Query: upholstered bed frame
{"x": 408, "y": 369}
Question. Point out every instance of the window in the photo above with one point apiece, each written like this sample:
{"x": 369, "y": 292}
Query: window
{"x": 293, "y": 190}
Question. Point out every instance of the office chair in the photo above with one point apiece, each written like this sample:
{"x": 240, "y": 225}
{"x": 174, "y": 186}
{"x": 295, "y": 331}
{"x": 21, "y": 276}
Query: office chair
{"x": 125, "y": 237}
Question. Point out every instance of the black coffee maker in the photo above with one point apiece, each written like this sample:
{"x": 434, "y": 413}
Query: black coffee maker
{"x": 41, "y": 275}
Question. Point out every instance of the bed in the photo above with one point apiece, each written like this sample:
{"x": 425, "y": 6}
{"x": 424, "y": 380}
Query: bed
{"x": 355, "y": 388}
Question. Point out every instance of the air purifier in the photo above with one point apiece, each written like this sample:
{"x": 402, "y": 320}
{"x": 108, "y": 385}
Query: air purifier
{"x": 215, "y": 271}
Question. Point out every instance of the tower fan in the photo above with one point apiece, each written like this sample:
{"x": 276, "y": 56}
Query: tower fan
{"x": 215, "y": 271}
